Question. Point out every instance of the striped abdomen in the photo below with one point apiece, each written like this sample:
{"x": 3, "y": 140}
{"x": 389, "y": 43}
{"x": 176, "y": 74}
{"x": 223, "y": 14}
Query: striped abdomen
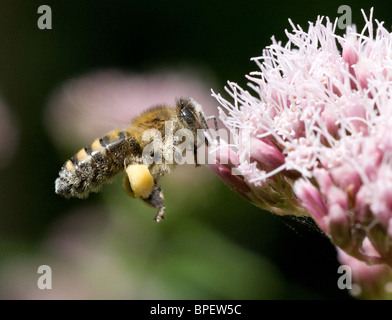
{"x": 91, "y": 166}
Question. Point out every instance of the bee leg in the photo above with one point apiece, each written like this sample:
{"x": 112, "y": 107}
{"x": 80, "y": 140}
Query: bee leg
{"x": 127, "y": 187}
{"x": 157, "y": 201}
{"x": 195, "y": 156}
{"x": 140, "y": 180}
{"x": 126, "y": 180}
{"x": 139, "y": 183}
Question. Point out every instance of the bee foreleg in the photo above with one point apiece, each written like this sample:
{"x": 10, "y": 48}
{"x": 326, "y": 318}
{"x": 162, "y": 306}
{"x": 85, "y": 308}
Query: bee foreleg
{"x": 195, "y": 156}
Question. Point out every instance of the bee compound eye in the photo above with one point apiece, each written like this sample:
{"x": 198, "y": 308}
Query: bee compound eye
{"x": 187, "y": 115}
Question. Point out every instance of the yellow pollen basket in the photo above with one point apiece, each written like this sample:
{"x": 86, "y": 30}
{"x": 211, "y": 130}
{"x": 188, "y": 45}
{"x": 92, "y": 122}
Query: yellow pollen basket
{"x": 140, "y": 181}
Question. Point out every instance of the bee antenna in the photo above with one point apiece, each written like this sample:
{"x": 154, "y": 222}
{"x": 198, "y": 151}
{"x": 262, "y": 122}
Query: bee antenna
{"x": 216, "y": 127}
{"x": 206, "y": 125}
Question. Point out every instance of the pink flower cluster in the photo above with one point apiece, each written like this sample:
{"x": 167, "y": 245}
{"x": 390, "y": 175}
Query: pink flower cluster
{"x": 315, "y": 135}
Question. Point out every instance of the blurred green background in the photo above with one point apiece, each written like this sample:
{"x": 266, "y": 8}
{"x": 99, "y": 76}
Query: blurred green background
{"x": 213, "y": 245}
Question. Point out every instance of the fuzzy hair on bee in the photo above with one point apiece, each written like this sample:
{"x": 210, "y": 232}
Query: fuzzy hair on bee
{"x": 125, "y": 151}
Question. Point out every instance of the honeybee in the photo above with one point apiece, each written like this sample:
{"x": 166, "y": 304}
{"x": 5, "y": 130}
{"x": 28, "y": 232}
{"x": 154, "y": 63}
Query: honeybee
{"x": 138, "y": 152}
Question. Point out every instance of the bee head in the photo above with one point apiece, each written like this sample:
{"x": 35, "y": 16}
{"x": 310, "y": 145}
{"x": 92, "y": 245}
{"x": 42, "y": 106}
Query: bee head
{"x": 191, "y": 114}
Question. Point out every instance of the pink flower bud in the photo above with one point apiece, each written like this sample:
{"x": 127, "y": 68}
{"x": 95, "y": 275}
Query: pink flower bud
{"x": 323, "y": 179}
{"x": 339, "y": 227}
{"x": 362, "y": 206}
{"x": 233, "y": 181}
{"x": 226, "y": 155}
{"x": 312, "y": 201}
{"x": 362, "y": 74}
{"x": 224, "y": 166}
{"x": 329, "y": 118}
{"x": 369, "y": 281}
{"x": 349, "y": 53}
{"x": 347, "y": 179}
{"x": 381, "y": 205}
{"x": 356, "y": 110}
{"x": 267, "y": 155}
{"x": 337, "y": 196}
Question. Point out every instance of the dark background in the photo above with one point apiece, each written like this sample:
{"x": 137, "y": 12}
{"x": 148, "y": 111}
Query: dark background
{"x": 220, "y": 36}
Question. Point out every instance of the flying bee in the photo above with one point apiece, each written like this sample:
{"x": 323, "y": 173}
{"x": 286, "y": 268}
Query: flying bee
{"x": 141, "y": 155}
